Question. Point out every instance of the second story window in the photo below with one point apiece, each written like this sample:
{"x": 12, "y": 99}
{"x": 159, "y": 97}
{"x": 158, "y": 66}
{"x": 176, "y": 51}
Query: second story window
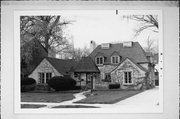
{"x": 99, "y": 60}
{"x": 115, "y": 59}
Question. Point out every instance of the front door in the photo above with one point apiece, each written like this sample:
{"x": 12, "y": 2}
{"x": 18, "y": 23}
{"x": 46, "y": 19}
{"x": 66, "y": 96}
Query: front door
{"x": 89, "y": 81}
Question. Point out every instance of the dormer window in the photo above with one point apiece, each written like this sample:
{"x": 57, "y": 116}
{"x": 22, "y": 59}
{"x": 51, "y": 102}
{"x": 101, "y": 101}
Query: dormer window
{"x": 99, "y": 60}
{"x": 115, "y": 59}
{"x": 105, "y": 46}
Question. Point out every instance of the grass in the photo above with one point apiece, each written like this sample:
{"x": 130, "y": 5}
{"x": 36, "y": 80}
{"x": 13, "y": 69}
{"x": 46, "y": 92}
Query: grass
{"x": 46, "y": 97}
{"x": 74, "y": 106}
{"x": 107, "y": 97}
{"x": 31, "y": 106}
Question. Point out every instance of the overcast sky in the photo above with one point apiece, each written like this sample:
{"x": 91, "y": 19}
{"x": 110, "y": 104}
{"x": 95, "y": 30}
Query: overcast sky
{"x": 103, "y": 27}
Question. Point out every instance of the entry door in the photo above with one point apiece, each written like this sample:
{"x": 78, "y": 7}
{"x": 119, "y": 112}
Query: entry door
{"x": 89, "y": 81}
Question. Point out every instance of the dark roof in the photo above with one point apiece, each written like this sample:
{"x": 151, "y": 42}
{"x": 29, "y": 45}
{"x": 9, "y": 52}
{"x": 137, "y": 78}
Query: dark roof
{"x": 136, "y": 52}
{"x": 85, "y": 65}
{"x": 63, "y": 66}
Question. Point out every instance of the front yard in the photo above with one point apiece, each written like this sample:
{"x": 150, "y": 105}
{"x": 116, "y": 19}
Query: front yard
{"x": 56, "y": 97}
{"x": 107, "y": 97}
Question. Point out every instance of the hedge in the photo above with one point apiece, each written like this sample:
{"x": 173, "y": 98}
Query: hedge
{"x": 28, "y": 84}
{"x": 62, "y": 83}
{"x": 114, "y": 86}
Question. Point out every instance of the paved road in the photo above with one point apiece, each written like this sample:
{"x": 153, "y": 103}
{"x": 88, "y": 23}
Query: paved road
{"x": 146, "y": 100}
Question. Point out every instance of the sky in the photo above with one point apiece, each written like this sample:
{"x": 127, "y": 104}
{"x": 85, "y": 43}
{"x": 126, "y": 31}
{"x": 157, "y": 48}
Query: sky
{"x": 102, "y": 27}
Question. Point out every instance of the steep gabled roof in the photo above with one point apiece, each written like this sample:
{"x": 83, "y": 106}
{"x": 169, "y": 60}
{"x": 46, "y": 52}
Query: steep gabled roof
{"x": 136, "y": 52}
{"x": 139, "y": 66}
{"x": 63, "y": 66}
{"x": 86, "y": 65}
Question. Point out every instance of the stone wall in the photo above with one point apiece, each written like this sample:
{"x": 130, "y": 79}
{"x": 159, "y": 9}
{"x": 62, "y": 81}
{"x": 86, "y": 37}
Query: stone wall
{"x": 139, "y": 76}
{"x": 44, "y": 67}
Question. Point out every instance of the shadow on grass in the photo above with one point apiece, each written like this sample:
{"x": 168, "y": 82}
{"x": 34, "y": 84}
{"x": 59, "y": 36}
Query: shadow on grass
{"x": 31, "y": 106}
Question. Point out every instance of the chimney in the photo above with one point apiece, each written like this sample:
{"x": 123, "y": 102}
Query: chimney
{"x": 105, "y": 45}
{"x": 127, "y": 44}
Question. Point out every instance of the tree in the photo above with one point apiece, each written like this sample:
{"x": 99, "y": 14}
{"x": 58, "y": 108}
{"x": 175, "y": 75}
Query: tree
{"x": 78, "y": 53}
{"x": 145, "y": 22}
{"x": 48, "y": 30}
{"x": 151, "y": 46}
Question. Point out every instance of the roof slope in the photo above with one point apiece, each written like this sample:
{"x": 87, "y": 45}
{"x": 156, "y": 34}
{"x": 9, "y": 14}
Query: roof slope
{"x": 63, "y": 66}
{"x": 85, "y": 65}
{"x": 136, "y": 52}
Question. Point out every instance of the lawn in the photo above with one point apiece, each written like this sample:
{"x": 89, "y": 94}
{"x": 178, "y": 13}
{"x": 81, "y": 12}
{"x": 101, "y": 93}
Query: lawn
{"x": 46, "y": 97}
{"x": 107, "y": 97}
{"x": 31, "y": 106}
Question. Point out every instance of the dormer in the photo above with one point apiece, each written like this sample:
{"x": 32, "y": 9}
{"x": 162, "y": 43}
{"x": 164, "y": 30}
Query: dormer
{"x": 128, "y": 44}
{"x": 105, "y": 45}
{"x": 115, "y": 58}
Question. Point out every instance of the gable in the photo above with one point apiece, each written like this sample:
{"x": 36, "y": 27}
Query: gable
{"x": 44, "y": 66}
{"x": 129, "y": 65}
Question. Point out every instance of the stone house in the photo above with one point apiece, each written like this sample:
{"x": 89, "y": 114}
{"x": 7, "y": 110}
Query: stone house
{"x": 84, "y": 72}
{"x": 123, "y": 63}
{"x": 50, "y": 67}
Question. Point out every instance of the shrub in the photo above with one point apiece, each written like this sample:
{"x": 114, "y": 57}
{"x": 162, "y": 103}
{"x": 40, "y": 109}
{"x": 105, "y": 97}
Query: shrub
{"x": 62, "y": 83}
{"x": 114, "y": 86}
{"x": 28, "y": 84}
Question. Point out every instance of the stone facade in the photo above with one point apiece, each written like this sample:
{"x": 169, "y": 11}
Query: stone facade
{"x": 139, "y": 77}
{"x": 44, "y": 67}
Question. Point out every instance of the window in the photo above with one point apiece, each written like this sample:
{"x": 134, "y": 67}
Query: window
{"x": 128, "y": 77}
{"x": 115, "y": 59}
{"x": 107, "y": 77}
{"x": 99, "y": 60}
{"x": 44, "y": 77}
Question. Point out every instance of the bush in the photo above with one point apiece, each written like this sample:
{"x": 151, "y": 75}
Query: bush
{"x": 28, "y": 84}
{"x": 62, "y": 83}
{"x": 114, "y": 86}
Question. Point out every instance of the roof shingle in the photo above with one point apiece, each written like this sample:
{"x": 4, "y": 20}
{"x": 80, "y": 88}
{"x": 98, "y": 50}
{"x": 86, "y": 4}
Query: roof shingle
{"x": 135, "y": 53}
{"x": 86, "y": 65}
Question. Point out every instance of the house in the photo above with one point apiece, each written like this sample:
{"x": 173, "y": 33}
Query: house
{"x": 123, "y": 63}
{"x": 50, "y": 67}
{"x": 84, "y": 71}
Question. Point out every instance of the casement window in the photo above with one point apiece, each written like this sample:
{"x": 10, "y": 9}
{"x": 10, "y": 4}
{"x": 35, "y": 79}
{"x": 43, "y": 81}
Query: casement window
{"x": 44, "y": 77}
{"x": 99, "y": 60}
{"x": 114, "y": 59}
{"x": 128, "y": 78}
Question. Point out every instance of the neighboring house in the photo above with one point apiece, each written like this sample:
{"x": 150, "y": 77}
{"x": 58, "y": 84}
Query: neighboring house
{"x": 84, "y": 72}
{"x": 156, "y": 62}
{"x": 124, "y": 63}
{"x": 50, "y": 67}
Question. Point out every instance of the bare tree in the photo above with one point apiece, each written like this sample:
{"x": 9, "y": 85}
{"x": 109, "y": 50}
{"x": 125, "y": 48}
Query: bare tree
{"x": 151, "y": 46}
{"x": 78, "y": 53}
{"x": 48, "y": 30}
{"x": 145, "y": 22}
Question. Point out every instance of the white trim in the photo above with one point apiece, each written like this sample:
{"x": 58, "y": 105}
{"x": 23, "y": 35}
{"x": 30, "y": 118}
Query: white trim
{"x": 112, "y": 59}
{"x": 99, "y": 57}
{"x": 124, "y": 77}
